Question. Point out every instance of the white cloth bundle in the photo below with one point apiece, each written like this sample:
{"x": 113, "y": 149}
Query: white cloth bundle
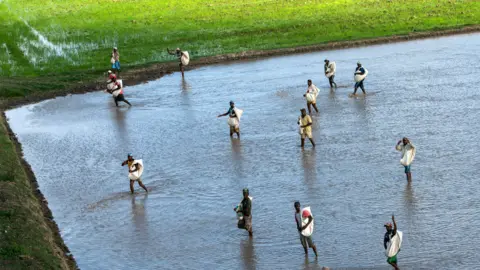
{"x": 235, "y": 121}
{"x": 309, "y": 230}
{"x": 394, "y": 245}
{"x": 137, "y": 174}
{"x": 185, "y": 58}
{"x": 359, "y": 77}
{"x": 408, "y": 153}
{"x": 332, "y": 67}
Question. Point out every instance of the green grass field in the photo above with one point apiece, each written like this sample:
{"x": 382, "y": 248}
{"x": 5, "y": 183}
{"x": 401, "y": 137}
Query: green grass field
{"x": 66, "y": 37}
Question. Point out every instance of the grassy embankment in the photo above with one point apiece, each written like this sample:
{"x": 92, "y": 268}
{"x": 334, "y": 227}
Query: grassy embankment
{"x": 28, "y": 237}
{"x": 54, "y": 45}
{"x": 49, "y": 44}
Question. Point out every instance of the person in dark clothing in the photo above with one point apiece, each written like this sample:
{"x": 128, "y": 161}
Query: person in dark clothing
{"x": 247, "y": 211}
{"x": 330, "y": 71}
{"x": 386, "y": 239}
{"x": 359, "y": 71}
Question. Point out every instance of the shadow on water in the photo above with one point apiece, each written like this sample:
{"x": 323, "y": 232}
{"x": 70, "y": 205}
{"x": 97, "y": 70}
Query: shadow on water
{"x": 139, "y": 214}
{"x": 237, "y": 156}
{"x": 410, "y": 203}
{"x": 247, "y": 252}
{"x": 119, "y": 115}
{"x": 309, "y": 166}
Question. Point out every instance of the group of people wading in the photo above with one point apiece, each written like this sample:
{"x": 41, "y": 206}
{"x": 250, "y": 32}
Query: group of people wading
{"x": 304, "y": 219}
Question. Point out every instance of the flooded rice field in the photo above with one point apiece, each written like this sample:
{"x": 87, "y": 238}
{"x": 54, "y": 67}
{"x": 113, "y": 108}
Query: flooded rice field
{"x": 353, "y": 181}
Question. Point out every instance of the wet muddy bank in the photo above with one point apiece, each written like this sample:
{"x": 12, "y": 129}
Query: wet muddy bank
{"x": 138, "y": 75}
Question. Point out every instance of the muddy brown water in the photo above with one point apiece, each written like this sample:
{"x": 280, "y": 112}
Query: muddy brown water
{"x": 426, "y": 90}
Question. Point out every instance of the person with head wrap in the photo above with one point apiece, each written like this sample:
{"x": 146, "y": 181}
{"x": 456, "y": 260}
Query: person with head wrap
{"x": 246, "y": 209}
{"x": 134, "y": 166}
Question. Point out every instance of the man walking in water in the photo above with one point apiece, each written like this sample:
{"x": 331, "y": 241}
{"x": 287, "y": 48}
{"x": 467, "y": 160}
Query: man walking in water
{"x": 298, "y": 219}
{"x": 117, "y": 91}
{"x": 330, "y": 68}
{"x": 311, "y": 95}
{"x": 408, "y": 154}
{"x": 360, "y": 70}
{"x": 133, "y": 167}
{"x": 388, "y": 239}
{"x": 178, "y": 53}
{"x": 233, "y": 120}
{"x": 305, "y": 123}
{"x": 247, "y": 211}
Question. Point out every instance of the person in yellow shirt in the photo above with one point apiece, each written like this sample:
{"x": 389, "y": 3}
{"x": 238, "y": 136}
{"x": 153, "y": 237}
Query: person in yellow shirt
{"x": 305, "y": 123}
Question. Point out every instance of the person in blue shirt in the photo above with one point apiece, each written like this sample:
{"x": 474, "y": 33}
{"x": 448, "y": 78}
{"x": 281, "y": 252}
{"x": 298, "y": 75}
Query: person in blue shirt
{"x": 359, "y": 71}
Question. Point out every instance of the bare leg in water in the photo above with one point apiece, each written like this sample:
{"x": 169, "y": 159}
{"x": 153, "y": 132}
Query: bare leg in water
{"x": 131, "y": 186}
{"x": 395, "y": 266}
{"x": 142, "y": 185}
{"x": 309, "y": 105}
{"x": 182, "y": 69}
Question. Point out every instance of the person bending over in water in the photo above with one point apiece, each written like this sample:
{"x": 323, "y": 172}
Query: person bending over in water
{"x": 311, "y": 96}
{"x": 305, "y": 122}
{"x": 233, "y": 120}
{"x": 178, "y": 53}
{"x": 306, "y": 241}
{"x": 247, "y": 211}
{"x": 360, "y": 70}
{"x": 117, "y": 92}
{"x": 133, "y": 167}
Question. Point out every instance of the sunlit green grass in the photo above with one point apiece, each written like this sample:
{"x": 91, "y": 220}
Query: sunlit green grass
{"x": 79, "y": 34}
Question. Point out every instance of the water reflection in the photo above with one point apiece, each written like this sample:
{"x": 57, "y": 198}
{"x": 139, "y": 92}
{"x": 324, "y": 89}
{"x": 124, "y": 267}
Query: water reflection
{"x": 309, "y": 166}
{"x": 119, "y": 115}
{"x": 139, "y": 214}
{"x": 247, "y": 252}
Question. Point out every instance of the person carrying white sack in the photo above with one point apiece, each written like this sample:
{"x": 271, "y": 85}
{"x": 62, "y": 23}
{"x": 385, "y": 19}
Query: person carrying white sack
{"x": 392, "y": 242}
{"x": 135, "y": 171}
{"x": 359, "y": 76}
{"x": 408, "y": 154}
{"x": 234, "y": 116}
{"x": 330, "y": 68}
{"x": 182, "y": 56}
{"x": 311, "y": 96}
{"x": 304, "y": 220}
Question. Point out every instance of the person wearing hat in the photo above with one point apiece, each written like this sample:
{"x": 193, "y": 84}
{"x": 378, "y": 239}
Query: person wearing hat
{"x": 360, "y": 70}
{"x": 388, "y": 239}
{"x": 330, "y": 68}
{"x": 136, "y": 167}
{"x": 178, "y": 53}
{"x": 299, "y": 217}
{"x": 234, "y": 119}
{"x": 115, "y": 60}
{"x": 305, "y": 123}
{"x": 246, "y": 210}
